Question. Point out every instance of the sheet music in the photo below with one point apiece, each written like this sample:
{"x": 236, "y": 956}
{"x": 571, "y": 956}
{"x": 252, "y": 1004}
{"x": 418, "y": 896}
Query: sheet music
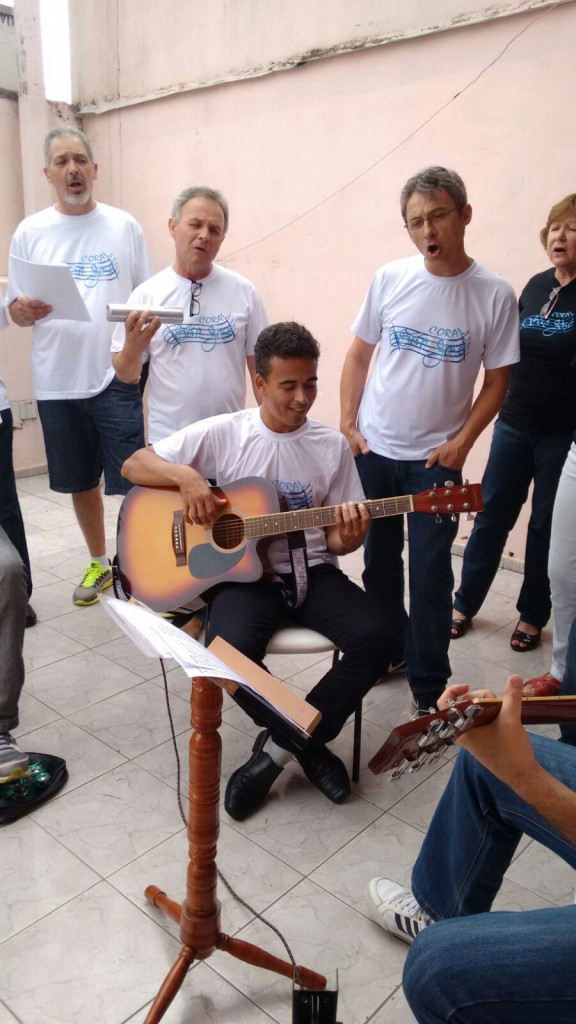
{"x": 158, "y": 638}
{"x": 51, "y": 283}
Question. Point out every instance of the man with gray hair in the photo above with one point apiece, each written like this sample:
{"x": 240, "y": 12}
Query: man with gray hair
{"x": 198, "y": 368}
{"x": 90, "y": 419}
{"x": 437, "y": 318}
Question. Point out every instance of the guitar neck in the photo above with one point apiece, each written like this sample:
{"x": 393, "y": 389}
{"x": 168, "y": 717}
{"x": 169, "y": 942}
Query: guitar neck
{"x": 277, "y": 523}
{"x": 413, "y": 743}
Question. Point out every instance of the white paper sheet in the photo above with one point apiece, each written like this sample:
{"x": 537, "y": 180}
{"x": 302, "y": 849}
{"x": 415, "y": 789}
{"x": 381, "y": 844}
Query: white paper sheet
{"x": 51, "y": 283}
{"x": 158, "y": 638}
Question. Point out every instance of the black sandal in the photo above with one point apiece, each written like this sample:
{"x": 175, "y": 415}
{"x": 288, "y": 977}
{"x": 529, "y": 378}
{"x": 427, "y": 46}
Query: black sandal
{"x": 459, "y": 627}
{"x": 525, "y": 641}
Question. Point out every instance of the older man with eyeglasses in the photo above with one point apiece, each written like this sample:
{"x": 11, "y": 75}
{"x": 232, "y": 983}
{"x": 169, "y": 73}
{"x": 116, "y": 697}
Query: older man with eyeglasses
{"x": 434, "y": 320}
{"x": 197, "y": 368}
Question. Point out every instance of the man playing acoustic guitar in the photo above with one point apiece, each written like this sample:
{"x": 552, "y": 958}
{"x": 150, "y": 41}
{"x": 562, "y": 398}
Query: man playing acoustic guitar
{"x": 311, "y": 465}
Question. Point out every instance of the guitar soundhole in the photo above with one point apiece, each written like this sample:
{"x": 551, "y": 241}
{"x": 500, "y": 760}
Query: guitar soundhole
{"x": 228, "y": 531}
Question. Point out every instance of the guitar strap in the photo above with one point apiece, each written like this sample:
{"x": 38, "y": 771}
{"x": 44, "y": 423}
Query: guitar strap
{"x": 119, "y": 583}
{"x": 294, "y": 593}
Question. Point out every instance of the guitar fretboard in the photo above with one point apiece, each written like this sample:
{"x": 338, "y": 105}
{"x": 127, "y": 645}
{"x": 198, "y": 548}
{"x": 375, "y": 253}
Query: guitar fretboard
{"x": 306, "y": 518}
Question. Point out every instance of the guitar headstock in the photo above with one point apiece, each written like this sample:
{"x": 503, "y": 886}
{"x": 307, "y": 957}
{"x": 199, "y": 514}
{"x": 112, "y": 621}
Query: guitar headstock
{"x": 423, "y": 739}
{"x": 450, "y": 499}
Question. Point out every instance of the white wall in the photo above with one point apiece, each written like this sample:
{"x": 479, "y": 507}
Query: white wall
{"x": 133, "y": 50}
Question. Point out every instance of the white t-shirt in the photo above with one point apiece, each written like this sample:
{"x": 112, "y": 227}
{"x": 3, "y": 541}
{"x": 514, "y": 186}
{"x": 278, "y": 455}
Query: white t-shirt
{"x": 198, "y": 368}
{"x": 4, "y": 403}
{"x": 434, "y": 333}
{"x": 107, "y": 256}
{"x": 311, "y": 466}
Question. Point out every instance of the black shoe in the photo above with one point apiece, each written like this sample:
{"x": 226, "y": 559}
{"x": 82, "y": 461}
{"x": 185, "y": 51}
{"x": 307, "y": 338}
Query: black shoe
{"x": 249, "y": 785}
{"x": 31, "y": 618}
{"x": 326, "y": 772}
{"x": 424, "y": 705}
{"x": 459, "y": 627}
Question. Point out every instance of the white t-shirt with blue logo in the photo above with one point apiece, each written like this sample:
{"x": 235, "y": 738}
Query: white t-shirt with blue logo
{"x": 434, "y": 335}
{"x": 197, "y": 368}
{"x": 311, "y": 466}
{"x": 107, "y": 256}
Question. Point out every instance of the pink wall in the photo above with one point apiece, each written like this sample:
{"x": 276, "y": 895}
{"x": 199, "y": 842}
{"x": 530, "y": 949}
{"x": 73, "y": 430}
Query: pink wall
{"x": 313, "y": 160}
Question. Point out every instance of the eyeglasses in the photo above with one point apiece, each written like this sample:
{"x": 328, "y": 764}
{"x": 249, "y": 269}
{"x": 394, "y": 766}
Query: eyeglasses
{"x": 436, "y": 217}
{"x": 552, "y": 300}
{"x": 194, "y": 300}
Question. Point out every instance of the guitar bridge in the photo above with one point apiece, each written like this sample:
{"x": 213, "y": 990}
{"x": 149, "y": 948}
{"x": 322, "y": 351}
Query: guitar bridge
{"x": 179, "y": 537}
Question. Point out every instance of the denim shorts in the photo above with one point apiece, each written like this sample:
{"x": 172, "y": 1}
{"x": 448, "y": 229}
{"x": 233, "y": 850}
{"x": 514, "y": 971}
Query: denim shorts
{"x": 85, "y": 436}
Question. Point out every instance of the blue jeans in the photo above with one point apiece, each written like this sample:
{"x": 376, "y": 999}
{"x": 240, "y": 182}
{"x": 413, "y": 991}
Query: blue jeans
{"x": 423, "y": 637}
{"x": 516, "y": 458}
{"x": 84, "y": 436}
{"x": 473, "y": 966}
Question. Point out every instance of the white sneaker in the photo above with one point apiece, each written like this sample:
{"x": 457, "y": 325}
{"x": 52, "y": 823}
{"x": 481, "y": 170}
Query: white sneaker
{"x": 395, "y": 909}
{"x": 13, "y": 761}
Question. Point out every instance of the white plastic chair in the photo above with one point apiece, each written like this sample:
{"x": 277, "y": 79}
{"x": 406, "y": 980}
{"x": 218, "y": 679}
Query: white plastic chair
{"x": 291, "y": 639}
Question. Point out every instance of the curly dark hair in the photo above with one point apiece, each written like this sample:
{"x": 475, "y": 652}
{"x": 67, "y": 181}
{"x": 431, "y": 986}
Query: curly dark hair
{"x": 287, "y": 340}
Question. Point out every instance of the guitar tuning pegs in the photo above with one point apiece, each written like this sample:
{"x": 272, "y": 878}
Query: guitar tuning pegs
{"x": 448, "y": 483}
{"x": 454, "y": 517}
{"x": 438, "y": 519}
{"x": 399, "y": 770}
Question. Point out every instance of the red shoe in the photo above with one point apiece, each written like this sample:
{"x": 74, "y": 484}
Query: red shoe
{"x": 542, "y": 686}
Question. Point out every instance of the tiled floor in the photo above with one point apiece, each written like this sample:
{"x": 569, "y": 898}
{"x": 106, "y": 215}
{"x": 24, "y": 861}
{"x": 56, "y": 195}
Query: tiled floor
{"x": 78, "y": 942}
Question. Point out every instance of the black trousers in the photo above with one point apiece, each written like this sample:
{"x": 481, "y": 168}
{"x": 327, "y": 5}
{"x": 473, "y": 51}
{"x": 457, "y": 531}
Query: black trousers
{"x": 247, "y": 614}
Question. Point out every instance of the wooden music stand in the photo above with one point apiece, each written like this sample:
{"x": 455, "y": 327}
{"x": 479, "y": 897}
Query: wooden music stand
{"x": 199, "y": 915}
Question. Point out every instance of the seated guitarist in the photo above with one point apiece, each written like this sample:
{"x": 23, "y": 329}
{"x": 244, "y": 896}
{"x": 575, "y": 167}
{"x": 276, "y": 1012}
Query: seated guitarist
{"x": 311, "y": 465}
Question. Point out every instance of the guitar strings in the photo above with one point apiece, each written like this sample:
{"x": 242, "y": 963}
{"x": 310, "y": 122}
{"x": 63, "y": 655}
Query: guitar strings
{"x": 252, "y": 910}
{"x": 231, "y": 529}
{"x": 230, "y": 532}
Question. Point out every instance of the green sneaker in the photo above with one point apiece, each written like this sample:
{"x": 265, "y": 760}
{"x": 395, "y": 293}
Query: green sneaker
{"x": 96, "y": 579}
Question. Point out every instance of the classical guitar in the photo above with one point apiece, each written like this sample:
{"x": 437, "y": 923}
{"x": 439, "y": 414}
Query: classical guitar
{"x": 165, "y": 560}
{"x": 423, "y": 739}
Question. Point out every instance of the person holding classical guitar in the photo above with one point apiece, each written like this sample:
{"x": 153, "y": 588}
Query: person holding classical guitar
{"x": 467, "y": 963}
{"x": 311, "y": 465}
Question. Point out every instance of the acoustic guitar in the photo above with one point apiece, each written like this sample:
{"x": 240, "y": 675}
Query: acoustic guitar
{"x": 423, "y": 739}
{"x": 165, "y": 560}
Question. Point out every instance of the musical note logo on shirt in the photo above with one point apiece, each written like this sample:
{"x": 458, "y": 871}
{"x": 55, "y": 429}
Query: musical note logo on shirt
{"x": 91, "y": 270}
{"x": 207, "y": 331}
{"x": 438, "y": 345}
{"x": 557, "y": 323}
{"x": 295, "y": 493}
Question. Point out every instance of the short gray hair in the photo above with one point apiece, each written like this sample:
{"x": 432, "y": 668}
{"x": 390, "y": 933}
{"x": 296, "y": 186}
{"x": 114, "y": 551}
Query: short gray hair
{"x": 203, "y": 192}
{"x": 430, "y": 180}
{"x": 57, "y": 133}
